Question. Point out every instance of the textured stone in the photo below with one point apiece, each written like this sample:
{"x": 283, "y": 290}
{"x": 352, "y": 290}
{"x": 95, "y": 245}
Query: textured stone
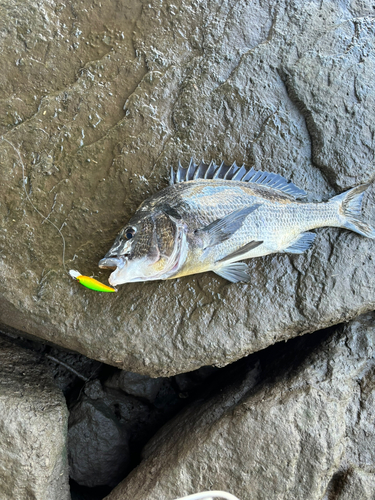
{"x": 137, "y": 385}
{"x": 358, "y": 485}
{"x": 33, "y": 429}
{"x": 108, "y": 429}
{"x": 283, "y": 86}
{"x": 300, "y": 426}
{"x": 98, "y": 445}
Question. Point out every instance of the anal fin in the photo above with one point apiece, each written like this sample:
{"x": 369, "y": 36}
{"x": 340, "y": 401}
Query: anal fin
{"x": 302, "y": 243}
{"x": 234, "y": 272}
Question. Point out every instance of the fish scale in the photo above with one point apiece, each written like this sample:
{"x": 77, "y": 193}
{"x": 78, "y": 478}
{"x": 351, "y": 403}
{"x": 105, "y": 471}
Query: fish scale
{"x": 275, "y": 223}
{"x": 212, "y": 217}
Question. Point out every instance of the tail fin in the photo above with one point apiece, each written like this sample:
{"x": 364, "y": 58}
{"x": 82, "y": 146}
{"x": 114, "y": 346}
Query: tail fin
{"x": 350, "y": 208}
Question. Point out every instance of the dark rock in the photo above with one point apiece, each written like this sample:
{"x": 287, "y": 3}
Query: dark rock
{"x": 33, "y": 426}
{"x": 160, "y": 391}
{"x": 297, "y": 426}
{"x": 333, "y": 84}
{"x": 98, "y": 445}
{"x": 68, "y": 368}
{"x": 136, "y": 385}
{"x": 187, "y": 382}
{"x": 358, "y": 484}
{"x": 283, "y": 86}
{"x": 108, "y": 429}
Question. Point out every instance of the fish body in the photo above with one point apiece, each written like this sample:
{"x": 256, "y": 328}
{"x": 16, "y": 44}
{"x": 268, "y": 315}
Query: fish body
{"x": 210, "y": 218}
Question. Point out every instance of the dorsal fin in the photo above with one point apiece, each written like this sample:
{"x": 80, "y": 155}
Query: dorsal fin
{"x": 235, "y": 173}
{"x": 181, "y": 173}
{"x": 232, "y": 170}
{"x": 191, "y": 170}
{"x": 238, "y": 175}
{"x": 201, "y": 170}
{"x": 211, "y": 170}
{"x": 221, "y": 171}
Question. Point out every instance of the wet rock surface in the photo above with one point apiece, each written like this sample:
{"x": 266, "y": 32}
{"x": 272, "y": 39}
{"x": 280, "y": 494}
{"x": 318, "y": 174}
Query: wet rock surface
{"x": 311, "y": 396}
{"x": 98, "y": 445}
{"x": 358, "y": 484}
{"x": 293, "y": 422}
{"x": 112, "y": 413}
{"x": 112, "y": 420}
{"x": 101, "y": 98}
{"x": 33, "y": 428}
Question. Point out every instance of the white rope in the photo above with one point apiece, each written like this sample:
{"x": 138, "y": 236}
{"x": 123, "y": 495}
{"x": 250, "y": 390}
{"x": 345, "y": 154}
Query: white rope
{"x": 208, "y": 495}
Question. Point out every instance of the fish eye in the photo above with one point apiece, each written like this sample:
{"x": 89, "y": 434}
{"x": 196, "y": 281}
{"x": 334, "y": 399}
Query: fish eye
{"x": 129, "y": 233}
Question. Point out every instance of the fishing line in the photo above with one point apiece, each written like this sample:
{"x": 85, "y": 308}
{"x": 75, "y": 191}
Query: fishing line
{"x": 32, "y": 204}
{"x": 86, "y": 281}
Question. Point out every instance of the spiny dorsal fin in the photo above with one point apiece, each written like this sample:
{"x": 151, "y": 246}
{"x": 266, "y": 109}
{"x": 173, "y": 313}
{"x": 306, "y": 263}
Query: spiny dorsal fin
{"x": 191, "y": 170}
{"x": 238, "y": 175}
{"x": 221, "y": 171}
{"x": 235, "y": 173}
{"x": 181, "y": 173}
{"x": 211, "y": 170}
{"x": 231, "y": 172}
{"x": 201, "y": 170}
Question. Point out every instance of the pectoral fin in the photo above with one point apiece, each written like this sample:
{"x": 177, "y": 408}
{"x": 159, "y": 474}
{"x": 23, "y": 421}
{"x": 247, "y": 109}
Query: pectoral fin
{"x": 234, "y": 272}
{"x": 222, "y": 229}
{"x": 241, "y": 252}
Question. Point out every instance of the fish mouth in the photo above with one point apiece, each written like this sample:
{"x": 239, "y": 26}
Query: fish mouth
{"x": 112, "y": 262}
{"x": 130, "y": 270}
{"x": 125, "y": 271}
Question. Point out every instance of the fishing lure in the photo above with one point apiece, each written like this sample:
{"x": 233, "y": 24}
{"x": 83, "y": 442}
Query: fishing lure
{"x": 91, "y": 283}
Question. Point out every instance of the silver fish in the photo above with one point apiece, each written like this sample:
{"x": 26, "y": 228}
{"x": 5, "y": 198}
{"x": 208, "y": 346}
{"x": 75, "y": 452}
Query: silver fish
{"x": 211, "y": 217}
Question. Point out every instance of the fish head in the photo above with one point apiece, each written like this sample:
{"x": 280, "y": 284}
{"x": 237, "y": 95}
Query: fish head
{"x": 151, "y": 246}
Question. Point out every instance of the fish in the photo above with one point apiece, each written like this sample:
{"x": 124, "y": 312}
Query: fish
{"x": 212, "y": 217}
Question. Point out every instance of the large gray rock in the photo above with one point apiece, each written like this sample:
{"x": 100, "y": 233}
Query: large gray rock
{"x": 358, "y": 484}
{"x": 33, "y": 429}
{"x": 283, "y": 86}
{"x": 98, "y": 445}
{"x": 108, "y": 429}
{"x": 304, "y": 432}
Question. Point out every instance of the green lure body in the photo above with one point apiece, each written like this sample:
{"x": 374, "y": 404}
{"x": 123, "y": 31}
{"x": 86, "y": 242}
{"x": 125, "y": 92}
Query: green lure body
{"x": 91, "y": 283}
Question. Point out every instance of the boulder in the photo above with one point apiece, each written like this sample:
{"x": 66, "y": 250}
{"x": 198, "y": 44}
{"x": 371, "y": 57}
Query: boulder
{"x": 33, "y": 429}
{"x": 108, "y": 429}
{"x": 100, "y": 99}
{"x": 98, "y": 445}
{"x": 136, "y": 385}
{"x": 298, "y": 424}
{"x": 358, "y": 484}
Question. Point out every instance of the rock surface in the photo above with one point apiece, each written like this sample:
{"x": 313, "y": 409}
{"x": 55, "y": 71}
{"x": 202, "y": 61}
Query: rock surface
{"x": 283, "y": 86}
{"x": 98, "y": 445}
{"x": 136, "y": 385}
{"x": 358, "y": 484}
{"x": 305, "y": 431}
{"x": 108, "y": 428}
{"x": 33, "y": 429}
